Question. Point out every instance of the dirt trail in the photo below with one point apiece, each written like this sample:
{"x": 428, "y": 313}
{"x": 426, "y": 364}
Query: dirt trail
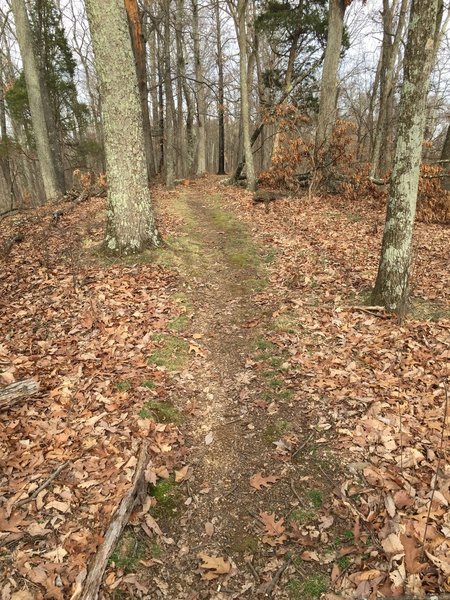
{"x": 231, "y": 430}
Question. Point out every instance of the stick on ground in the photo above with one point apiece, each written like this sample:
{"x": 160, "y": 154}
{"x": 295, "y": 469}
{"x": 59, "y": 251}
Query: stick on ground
{"x": 11, "y": 394}
{"x": 117, "y": 525}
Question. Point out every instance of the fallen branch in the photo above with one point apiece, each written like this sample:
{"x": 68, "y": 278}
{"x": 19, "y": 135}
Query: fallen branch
{"x": 373, "y": 311}
{"x": 268, "y": 588}
{"x": 11, "y": 394}
{"x": 46, "y": 483}
{"x": 15, "y": 239}
{"x": 117, "y": 525}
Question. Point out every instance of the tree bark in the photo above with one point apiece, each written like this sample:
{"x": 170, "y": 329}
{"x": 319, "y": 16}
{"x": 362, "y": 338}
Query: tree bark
{"x": 138, "y": 44}
{"x": 48, "y": 162}
{"x": 200, "y": 92}
{"x": 131, "y": 224}
{"x": 220, "y": 93}
{"x": 169, "y": 134}
{"x": 13, "y": 393}
{"x": 445, "y": 156}
{"x": 239, "y": 15}
{"x": 389, "y": 55}
{"x": 329, "y": 84}
{"x": 392, "y": 283}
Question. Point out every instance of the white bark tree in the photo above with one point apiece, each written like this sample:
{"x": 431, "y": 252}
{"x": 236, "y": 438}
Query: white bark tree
{"x": 391, "y": 287}
{"x": 131, "y": 224}
{"x": 48, "y": 162}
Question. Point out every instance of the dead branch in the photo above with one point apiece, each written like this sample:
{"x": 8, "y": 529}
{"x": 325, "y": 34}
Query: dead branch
{"x": 269, "y": 587}
{"x": 46, "y": 483}
{"x": 11, "y": 394}
{"x": 117, "y": 525}
{"x": 7, "y": 247}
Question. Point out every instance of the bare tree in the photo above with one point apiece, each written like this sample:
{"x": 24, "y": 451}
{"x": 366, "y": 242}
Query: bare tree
{"x": 44, "y": 130}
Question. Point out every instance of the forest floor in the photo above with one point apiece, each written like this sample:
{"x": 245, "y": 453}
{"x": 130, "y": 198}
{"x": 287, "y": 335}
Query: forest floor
{"x": 298, "y": 439}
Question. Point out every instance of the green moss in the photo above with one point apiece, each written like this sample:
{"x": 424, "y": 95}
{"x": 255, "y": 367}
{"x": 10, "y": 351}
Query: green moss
{"x": 161, "y": 412}
{"x": 275, "y": 383}
{"x": 123, "y": 386}
{"x": 173, "y": 353}
{"x": 315, "y": 497}
{"x": 314, "y": 587}
{"x": 179, "y": 323}
{"x": 156, "y": 551}
{"x": 343, "y": 562}
{"x": 167, "y": 498}
{"x": 128, "y": 552}
{"x": 303, "y": 516}
{"x": 275, "y": 431}
{"x": 353, "y": 217}
{"x": 263, "y": 344}
{"x": 148, "y": 383}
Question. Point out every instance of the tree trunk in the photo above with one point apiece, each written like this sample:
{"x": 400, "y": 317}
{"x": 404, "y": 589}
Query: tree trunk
{"x": 241, "y": 31}
{"x": 445, "y": 155}
{"x": 181, "y": 66}
{"x": 35, "y": 87}
{"x": 391, "y": 287}
{"x": 200, "y": 91}
{"x": 329, "y": 84}
{"x": 220, "y": 92}
{"x": 181, "y": 143}
{"x": 389, "y": 54}
{"x": 169, "y": 137}
{"x": 4, "y": 140}
{"x": 131, "y": 224}
{"x": 138, "y": 43}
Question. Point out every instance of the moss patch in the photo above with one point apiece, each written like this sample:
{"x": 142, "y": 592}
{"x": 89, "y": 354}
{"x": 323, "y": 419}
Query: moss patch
{"x": 180, "y": 323}
{"x": 161, "y": 412}
{"x": 275, "y": 431}
{"x": 173, "y": 353}
{"x": 167, "y": 497}
{"x": 128, "y": 552}
{"x": 309, "y": 589}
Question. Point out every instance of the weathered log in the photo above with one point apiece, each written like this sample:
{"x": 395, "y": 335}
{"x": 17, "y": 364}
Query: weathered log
{"x": 13, "y": 393}
{"x": 117, "y": 525}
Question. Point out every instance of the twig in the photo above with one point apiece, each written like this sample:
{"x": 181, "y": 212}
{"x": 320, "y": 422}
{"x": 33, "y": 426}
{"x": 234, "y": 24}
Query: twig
{"x": 269, "y": 587}
{"x": 441, "y": 445}
{"x": 302, "y": 445}
{"x": 46, "y": 483}
{"x": 230, "y": 491}
{"x": 254, "y": 571}
{"x": 294, "y": 491}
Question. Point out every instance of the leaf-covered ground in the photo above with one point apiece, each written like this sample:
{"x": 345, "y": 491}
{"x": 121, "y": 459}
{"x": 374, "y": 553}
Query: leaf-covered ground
{"x": 299, "y": 441}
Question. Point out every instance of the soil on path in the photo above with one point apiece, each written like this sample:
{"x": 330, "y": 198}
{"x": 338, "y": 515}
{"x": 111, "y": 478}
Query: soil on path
{"x": 239, "y": 422}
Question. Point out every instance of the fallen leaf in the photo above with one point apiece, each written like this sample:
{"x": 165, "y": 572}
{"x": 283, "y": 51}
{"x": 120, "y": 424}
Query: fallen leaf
{"x": 258, "y": 480}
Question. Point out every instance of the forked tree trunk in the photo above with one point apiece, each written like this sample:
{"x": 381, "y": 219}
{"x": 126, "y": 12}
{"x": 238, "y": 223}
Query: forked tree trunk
{"x": 200, "y": 92}
{"x": 391, "y": 287}
{"x": 329, "y": 85}
{"x": 138, "y": 44}
{"x": 48, "y": 162}
{"x": 131, "y": 224}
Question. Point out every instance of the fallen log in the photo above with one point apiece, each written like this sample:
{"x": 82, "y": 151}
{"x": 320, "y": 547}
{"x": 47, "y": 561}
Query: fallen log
{"x": 13, "y": 393}
{"x": 117, "y": 525}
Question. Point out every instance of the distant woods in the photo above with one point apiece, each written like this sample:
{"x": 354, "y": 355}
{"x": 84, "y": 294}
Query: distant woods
{"x": 271, "y": 91}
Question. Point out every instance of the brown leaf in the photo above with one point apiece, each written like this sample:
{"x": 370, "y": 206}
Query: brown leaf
{"x": 258, "y": 481}
{"x": 183, "y": 474}
{"x": 216, "y": 564}
{"x": 272, "y": 527}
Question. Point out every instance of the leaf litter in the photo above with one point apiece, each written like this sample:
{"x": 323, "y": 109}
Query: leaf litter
{"x": 373, "y": 391}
